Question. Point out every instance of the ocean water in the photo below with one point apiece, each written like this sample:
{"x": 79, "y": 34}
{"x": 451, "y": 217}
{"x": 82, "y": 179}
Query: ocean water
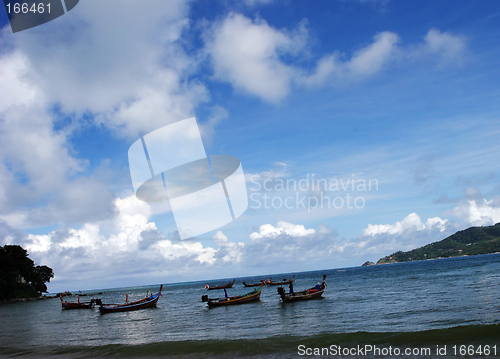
{"x": 418, "y": 306}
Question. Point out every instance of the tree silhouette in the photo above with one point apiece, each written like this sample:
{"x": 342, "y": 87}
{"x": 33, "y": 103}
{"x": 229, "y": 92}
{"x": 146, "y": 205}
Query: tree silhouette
{"x": 19, "y": 278}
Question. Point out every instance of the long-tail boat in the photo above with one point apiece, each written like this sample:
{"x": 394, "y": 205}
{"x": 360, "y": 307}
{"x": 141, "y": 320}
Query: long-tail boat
{"x": 311, "y": 293}
{"x": 147, "y": 302}
{"x": 283, "y": 282}
{"x": 80, "y": 305}
{"x": 253, "y": 284}
{"x": 228, "y": 285}
{"x": 239, "y": 299}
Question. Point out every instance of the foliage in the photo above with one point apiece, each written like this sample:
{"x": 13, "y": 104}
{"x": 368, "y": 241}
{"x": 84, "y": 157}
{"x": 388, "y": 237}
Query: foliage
{"x": 19, "y": 278}
{"x": 471, "y": 241}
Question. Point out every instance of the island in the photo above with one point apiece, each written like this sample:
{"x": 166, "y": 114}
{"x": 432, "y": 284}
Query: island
{"x": 19, "y": 277}
{"x": 470, "y": 241}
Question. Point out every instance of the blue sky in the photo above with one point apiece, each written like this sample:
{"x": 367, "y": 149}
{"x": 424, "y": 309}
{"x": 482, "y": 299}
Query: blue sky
{"x": 401, "y": 93}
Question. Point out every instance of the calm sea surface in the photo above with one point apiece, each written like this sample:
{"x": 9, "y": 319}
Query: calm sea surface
{"x": 414, "y": 305}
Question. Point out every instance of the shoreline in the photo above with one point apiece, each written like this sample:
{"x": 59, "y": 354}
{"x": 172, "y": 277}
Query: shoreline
{"x": 15, "y": 300}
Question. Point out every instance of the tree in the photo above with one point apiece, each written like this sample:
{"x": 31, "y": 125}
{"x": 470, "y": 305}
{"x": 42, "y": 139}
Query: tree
{"x": 42, "y": 275}
{"x": 18, "y": 275}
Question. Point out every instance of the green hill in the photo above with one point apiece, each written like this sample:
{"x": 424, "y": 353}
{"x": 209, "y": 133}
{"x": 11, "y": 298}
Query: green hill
{"x": 470, "y": 241}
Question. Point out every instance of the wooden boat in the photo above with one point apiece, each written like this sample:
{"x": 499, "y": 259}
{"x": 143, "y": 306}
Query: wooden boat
{"x": 147, "y": 302}
{"x": 239, "y": 299}
{"x": 311, "y": 293}
{"x": 253, "y": 284}
{"x": 284, "y": 282}
{"x": 80, "y": 305}
{"x": 228, "y": 285}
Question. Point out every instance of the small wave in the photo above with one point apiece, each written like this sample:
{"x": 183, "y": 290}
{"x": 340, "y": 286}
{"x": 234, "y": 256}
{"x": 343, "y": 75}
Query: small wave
{"x": 278, "y": 346}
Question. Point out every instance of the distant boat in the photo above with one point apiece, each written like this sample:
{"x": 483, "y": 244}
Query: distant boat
{"x": 253, "y": 284}
{"x": 63, "y": 294}
{"x": 228, "y": 285}
{"x": 80, "y": 305}
{"x": 147, "y": 302}
{"x": 239, "y": 299}
{"x": 311, "y": 293}
{"x": 283, "y": 282}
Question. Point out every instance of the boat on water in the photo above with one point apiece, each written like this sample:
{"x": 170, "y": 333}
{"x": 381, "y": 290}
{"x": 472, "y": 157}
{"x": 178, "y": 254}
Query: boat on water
{"x": 311, "y": 293}
{"x": 239, "y": 299}
{"x": 253, "y": 284}
{"x": 228, "y": 285}
{"x": 283, "y": 282}
{"x": 80, "y": 305}
{"x": 147, "y": 302}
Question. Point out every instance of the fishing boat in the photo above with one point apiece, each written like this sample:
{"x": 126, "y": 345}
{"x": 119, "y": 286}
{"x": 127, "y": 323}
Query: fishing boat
{"x": 80, "y": 305}
{"x": 147, "y": 302}
{"x": 253, "y": 284}
{"x": 283, "y": 282}
{"x": 228, "y": 285}
{"x": 239, "y": 299}
{"x": 311, "y": 293}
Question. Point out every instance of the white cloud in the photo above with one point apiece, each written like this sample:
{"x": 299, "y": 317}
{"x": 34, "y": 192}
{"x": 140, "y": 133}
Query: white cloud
{"x": 412, "y": 222}
{"x": 448, "y": 46}
{"x": 118, "y": 247}
{"x": 373, "y": 57}
{"x": 207, "y": 128}
{"x": 250, "y": 55}
{"x": 86, "y": 67}
{"x": 478, "y": 212}
{"x": 228, "y": 251}
{"x": 365, "y": 62}
{"x": 247, "y": 54}
{"x": 257, "y": 2}
{"x": 133, "y": 86}
{"x": 293, "y": 230}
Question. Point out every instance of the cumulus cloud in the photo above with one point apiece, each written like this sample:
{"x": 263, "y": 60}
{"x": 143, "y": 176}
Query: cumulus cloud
{"x": 475, "y": 210}
{"x": 251, "y": 56}
{"x": 288, "y": 229}
{"x": 83, "y": 68}
{"x": 291, "y": 243}
{"x": 412, "y": 222}
{"x": 133, "y": 86}
{"x": 9, "y": 235}
{"x": 117, "y": 247}
{"x": 228, "y": 251}
{"x": 39, "y": 174}
{"x": 247, "y": 54}
{"x": 409, "y": 233}
{"x": 450, "y": 48}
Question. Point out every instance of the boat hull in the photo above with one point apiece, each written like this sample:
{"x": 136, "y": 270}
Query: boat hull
{"x": 225, "y": 286}
{"x": 83, "y": 305}
{"x": 247, "y": 298}
{"x": 67, "y": 306}
{"x": 295, "y": 297}
{"x": 148, "y": 302}
{"x": 284, "y": 282}
{"x": 281, "y": 283}
{"x": 128, "y": 307}
{"x": 308, "y": 294}
{"x": 251, "y": 285}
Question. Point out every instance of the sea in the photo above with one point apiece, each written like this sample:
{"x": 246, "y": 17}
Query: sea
{"x": 446, "y": 308}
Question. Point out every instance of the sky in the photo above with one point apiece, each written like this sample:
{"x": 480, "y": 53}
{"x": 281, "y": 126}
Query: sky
{"x": 362, "y": 127}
